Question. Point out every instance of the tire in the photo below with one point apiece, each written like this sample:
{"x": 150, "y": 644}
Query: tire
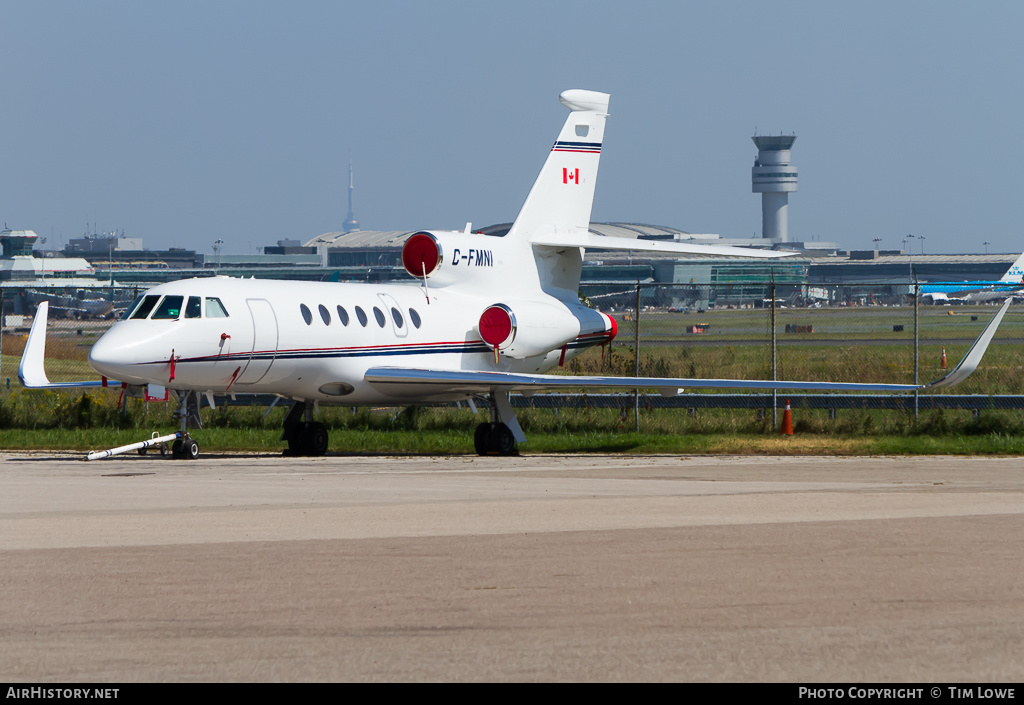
{"x": 190, "y": 450}
{"x": 503, "y": 441}
{"x": 176, "y": 449}
{"x": 315, "y": 440}
{"x": 142, "y": 451}
{"x": 480, "y": 438}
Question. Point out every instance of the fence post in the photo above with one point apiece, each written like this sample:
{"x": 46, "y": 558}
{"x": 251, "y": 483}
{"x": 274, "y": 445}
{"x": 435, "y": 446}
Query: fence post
{"x": 775, "y": 392}
{"x": 636, "y": 358}
{"x": 2, "y": 321}
{"x": 917, "y": 298}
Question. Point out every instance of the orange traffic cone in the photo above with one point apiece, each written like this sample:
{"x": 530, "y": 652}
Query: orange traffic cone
{"x": 942, "y": 361}
{"x": 787, "y": 421}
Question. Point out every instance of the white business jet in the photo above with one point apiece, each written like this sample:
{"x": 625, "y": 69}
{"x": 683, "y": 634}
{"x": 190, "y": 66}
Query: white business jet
{"x": 488, "y": 315}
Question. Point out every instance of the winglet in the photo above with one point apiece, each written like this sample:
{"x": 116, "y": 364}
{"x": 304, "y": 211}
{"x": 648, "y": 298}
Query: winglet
{"x": 30, "y": 371}
{"x": 970, "y": 362}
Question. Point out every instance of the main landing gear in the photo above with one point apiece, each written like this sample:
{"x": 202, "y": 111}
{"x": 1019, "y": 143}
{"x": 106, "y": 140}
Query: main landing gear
{"x": 304, "y": 435}
{"x": 494, "y": 439}
{"x": 502, "y": 434}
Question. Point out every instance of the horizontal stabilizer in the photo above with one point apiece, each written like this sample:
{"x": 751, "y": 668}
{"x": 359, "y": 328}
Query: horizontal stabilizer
{"x": 591, "y": 241}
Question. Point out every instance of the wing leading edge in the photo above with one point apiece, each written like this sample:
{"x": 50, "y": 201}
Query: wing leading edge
{"x": 393, "y": 378}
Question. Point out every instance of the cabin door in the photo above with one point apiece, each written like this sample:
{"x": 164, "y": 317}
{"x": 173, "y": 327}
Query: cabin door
{"x": 264, "y": 341}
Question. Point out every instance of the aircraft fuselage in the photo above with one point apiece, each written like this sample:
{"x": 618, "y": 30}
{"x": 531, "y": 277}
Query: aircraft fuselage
{"x": 311, "y": 341}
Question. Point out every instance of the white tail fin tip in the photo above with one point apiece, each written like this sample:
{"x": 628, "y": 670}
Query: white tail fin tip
{"x": 576, "y": 99}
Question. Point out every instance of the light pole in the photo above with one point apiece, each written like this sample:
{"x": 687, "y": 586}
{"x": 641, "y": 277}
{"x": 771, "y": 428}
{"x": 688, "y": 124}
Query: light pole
{"x": 986, "y": 244}
{"x": 216, "y": 253}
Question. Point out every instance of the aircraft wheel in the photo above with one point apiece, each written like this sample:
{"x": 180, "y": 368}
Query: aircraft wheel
{"x": 315, "y": 439}
{"x": 494, "y": 439}
{"x": 502, "y": 440}
{"x": 176, "y": 449}
{"x": 480, "y": 438}
{"x": 190, "y": 450}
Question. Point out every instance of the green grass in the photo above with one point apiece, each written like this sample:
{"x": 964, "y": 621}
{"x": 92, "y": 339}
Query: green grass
{"x": 49, "y": 421}
{"x": 399, "y": 442}
{"x": 875, "y": 322}
{"x": 72, "y": 421}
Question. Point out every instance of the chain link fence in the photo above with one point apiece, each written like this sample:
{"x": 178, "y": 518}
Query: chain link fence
{"x": 745, "y": 330}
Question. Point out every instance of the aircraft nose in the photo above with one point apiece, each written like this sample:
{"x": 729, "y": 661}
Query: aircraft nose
{"x": 112, "y": 356}
{"x": 103, "y": 358}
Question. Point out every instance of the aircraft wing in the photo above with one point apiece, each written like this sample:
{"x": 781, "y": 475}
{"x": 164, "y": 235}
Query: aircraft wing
{"x": 470, "y": 381}
{"x": 31, "y": 371}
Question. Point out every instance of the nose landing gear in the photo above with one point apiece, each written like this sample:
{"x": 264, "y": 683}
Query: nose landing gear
{"x": 305, "y": 436}
{"x": 185, "y": 447}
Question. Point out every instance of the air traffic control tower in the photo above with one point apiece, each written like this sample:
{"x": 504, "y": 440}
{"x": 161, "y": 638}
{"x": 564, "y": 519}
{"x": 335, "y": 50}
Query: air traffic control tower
{"x": 774, "y": 177}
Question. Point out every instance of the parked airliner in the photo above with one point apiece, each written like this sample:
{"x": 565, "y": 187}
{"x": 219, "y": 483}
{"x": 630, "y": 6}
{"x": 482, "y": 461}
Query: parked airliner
{"x": 1011, "y": 284}
{"x": 488, "y": 315}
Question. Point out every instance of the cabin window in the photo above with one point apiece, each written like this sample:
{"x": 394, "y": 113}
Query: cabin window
{"x": 169, "y": 308}
{"x": 343, "y": 316}
{"x": 306, "y": 315}
{"x": 325, "y": 314}
{"x": 214, "y": 308}
{"x": 146, "y": 306}
{"x": 194, "y": 307}
{"x": 414, "y": 317}
{"x": 379, "y": 315}
{"x": 397, "y": 315}
{"x": 361, "y": 315}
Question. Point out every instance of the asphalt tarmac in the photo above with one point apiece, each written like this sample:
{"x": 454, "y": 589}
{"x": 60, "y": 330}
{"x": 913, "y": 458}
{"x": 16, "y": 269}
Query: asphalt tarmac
{"x": 539, "y": 568}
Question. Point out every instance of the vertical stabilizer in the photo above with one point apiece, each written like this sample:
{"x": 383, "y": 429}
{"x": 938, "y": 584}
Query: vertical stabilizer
{"x": 1016, "y": 273}
{"x": 563, "y": 195}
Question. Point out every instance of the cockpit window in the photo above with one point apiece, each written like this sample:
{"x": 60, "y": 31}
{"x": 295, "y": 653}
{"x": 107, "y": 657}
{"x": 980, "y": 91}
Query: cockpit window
{"x": 214, "y": 308}
{"x": 128, "y": 311}
{"x": 194, "y": 307}
{"x": 146, "y": 306}
{"x": 169, "y": 308}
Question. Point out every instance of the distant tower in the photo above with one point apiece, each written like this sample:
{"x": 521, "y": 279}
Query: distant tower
{"x": 774, "y": 177}
{"x": 350, "y": 223}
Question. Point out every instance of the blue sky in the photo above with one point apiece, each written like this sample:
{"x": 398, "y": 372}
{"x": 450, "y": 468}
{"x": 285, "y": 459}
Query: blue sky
{"x": 186, "y": 122}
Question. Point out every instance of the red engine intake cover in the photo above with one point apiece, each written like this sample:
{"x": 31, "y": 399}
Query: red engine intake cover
{"x": 421, "y": 255}
{"x": 497, "y": 326}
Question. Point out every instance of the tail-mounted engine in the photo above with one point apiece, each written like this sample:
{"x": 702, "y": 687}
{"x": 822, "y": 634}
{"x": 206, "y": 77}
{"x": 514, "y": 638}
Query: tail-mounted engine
{"x": 527, "y": 329}
{"x": 422, "y": 255}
